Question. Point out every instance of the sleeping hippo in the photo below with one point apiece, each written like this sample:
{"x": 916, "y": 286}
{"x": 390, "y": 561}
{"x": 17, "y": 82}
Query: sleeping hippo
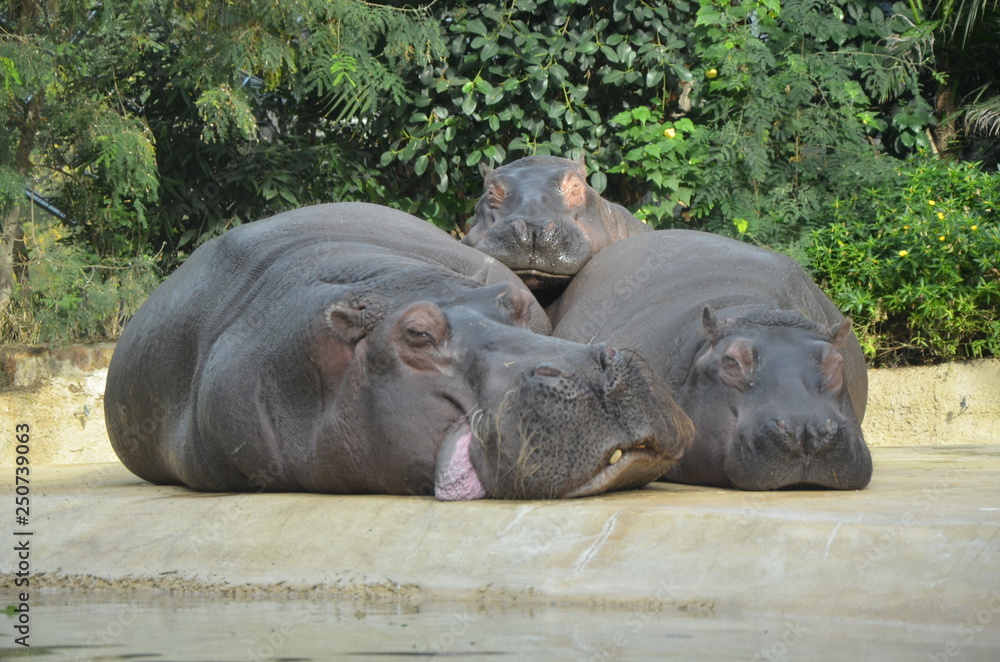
{"x": 354, "y": 348}
{"x": 539, "y": 217}
{"x": 761, "y": 360}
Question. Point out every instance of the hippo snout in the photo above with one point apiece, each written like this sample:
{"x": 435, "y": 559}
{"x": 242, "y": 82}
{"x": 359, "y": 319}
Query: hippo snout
{"x": 808, "y": 438}
{"x": 823, "y": 449}
{"x": 579, "y": 423}
{"x": 530, "y": 232}
{"x": 612, "y": 372}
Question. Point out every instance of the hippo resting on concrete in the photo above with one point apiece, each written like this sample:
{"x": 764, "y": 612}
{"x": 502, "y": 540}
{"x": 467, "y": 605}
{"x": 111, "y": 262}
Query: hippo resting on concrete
{"x": 761, "y": 360}
{"x": 539, "y": 217}
{"x": 345, "y": 348}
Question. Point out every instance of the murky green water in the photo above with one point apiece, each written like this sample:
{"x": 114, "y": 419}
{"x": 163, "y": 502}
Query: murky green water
{"x": 167, "y": 628}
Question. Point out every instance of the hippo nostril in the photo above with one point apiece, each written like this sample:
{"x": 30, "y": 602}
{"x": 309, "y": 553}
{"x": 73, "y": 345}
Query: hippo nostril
{"x": 520, "y": 228}
{"x": 781, "y": 425}
{"x": 548, "y": 371}
{"x": 605, "y": 355}
{"x": 820, "y": 434}
{"x": 549, "y": 230}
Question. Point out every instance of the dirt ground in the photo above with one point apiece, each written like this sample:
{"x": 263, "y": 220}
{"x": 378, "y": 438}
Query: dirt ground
{"x": 60, "y": 395}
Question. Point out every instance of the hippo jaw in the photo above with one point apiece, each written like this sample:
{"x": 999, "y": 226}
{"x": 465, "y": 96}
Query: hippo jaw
{"x": 625, "y": 469}
{"x": 542, "y": 259}
{"x": 559, "y": 433}
{"x": 826, "y": 450}
{"x": 535, "y": 279}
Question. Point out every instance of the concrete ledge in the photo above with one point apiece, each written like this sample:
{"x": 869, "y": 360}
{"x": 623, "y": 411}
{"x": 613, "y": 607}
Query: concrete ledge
{"x": 921, "y": 544}
{"x": 952, "y": 403}
{"x": 60, "y": 395}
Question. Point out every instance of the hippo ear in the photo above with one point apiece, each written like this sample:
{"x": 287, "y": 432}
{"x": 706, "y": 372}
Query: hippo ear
{"x": 484, "y": 169}
{"x": 832, "y": 362}
{"x": 581, "y": 165}
{"x": 839, "y": 333}
{"x": 832, "y": 370}
{"x": 496, "y": 193}
{"x": 352, "y": 320}
{"x": 517, "y": 302}
{"x": 711, "y": 324}
{"x": 572, "y": 188}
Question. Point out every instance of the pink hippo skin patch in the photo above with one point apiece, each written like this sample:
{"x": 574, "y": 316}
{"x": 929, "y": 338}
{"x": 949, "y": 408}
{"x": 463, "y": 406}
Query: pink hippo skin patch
{"x": 456, "y": 479}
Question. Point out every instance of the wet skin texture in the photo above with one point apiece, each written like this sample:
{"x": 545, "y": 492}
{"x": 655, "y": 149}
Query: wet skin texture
{"x": 759, "y": 358}
{"x": 354, "y": 348}
{"x": 539, "y": 217}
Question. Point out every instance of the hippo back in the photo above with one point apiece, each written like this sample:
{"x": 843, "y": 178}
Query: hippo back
{"x": 173, "y": 333}
{"x": 664, "y": 279}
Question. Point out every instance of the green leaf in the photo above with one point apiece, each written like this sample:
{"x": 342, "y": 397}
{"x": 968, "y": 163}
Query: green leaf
{"x": 420, "y": 165}
{"x": 475, "y": 26}
{"x": 599, "y": 181}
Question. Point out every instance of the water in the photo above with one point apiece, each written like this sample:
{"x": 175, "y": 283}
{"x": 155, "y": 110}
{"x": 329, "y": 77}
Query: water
{"x": 162, "y": 628}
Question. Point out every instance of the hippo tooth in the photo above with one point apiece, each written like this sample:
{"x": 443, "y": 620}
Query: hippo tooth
{"x": 617, "y": 455}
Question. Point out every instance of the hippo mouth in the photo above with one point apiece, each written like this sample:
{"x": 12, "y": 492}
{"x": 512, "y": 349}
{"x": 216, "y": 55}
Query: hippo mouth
{"x": 455, "y": 478}
{"x": 542, "y": 280}
{"x": 625, "y": 468}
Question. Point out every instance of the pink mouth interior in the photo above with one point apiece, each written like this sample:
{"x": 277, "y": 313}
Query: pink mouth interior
{"x": 455, "y": 478}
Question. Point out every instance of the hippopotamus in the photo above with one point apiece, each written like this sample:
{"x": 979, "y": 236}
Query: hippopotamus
{"x": 539, "y": 217}
{"x": 769, "y": 371}
{"x": 352, "y": 348}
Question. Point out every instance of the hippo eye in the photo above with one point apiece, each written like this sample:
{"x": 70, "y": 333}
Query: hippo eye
{"x": 416, "y": 337}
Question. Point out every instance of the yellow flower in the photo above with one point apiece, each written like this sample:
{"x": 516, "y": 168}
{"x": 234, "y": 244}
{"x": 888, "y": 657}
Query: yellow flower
{"x": 931, "y": 203}
{"x": 941, "y": 238}
{"x": 712, "y": 73}
{"x": 669, "y": 133}
{"x": 906, "y": 227}
{"x": 974, "y": 228}
{"x": 940, "y": 216}
{"x": 903, "y": 253}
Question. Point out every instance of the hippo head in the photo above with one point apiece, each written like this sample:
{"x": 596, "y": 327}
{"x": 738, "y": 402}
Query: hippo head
{"x": 472, "y": 403}
{"x": 770, "y": 403}
{"x": 539, "y": 217}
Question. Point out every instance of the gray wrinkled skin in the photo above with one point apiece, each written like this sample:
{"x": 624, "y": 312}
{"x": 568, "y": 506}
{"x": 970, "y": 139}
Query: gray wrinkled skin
{"x": 351, "y": 348}
{"x": 539, "y": 217}
{"x": 759, "y": 358}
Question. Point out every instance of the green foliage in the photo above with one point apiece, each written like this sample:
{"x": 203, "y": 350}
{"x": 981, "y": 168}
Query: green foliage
{"x": 668, "y": 155}
{"x": 791, "y": 109}
{"x": 226, "y": 113}
{"x": 156, "y": 122}
{"x": 534, "y": 77}
{"x": 71, "y": 295}
{"x": 915, "y": 262}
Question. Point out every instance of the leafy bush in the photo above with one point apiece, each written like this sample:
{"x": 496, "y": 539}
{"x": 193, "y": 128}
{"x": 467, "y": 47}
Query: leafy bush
{"x": 789, "y": 108}
{"x": 72, "y": 294}
{"x": 532, "y": 77}
{"x": 774, "y": 108}
{"x": 916, "y": 262}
